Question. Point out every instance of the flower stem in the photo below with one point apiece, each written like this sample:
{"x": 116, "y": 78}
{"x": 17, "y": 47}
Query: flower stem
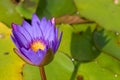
{"x": 42, "y": 73}
{"x": 76, "y": 66}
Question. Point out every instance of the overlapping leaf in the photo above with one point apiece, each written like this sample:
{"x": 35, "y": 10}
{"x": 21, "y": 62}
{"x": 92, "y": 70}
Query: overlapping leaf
{"x": 55, "y": 8}
{"x": 10, "y": 64}
{"x": 103, "y": 12}
{"x": 8, "y": 13}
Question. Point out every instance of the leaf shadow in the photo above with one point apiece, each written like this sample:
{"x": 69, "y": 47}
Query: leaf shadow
{"x": 83, "y": 47}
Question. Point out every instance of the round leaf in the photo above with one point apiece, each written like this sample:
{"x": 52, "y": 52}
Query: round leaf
{"x": 10, "y": 63}
{"x": 104, "y": 12}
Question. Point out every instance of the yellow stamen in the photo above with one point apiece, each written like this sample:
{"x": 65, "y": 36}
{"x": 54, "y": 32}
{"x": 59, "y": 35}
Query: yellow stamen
{"x": 35, "y": 46}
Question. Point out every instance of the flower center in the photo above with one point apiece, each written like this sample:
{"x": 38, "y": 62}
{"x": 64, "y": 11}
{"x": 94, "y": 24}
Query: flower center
{"x": 36, "y": 45}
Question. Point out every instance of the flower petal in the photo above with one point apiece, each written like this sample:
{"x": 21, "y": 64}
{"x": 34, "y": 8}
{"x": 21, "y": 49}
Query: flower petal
{"x": 23, "y": 32}
{"x": 34, "y": 57}
{"x": 22, "y": 56}
{"x": 52, "y": 45}
{"x": 43, "y": 24}
{"x": 50, "y": 34}
{"x": 56, "y": 33}
{"x": 41, "y": 55}
{"x": 15, "y": 41}
{"x": 58, "y": 42}
{"x": 28, "y": 28}
{"x": 47, "y": 27}
{"x": 21, "y": 40}
{"x": 53, "y": 21}
{"x": 37, "y": 32}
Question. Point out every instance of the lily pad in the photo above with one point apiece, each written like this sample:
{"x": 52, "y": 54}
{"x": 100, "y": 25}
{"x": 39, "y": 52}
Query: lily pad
{"x": 66, "y": 42}
{"x": 10, "y": 63}
{"x": 110, "y": 40}
{"x": 27, "y": 7}
{"x": 48, "y": 8}
{"x": 8, "y": 13}
{"x": 104, "y": 67}
{"x": 104, "y": 12}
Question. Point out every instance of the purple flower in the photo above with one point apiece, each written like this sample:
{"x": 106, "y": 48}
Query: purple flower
{"x": 36, "y": 42}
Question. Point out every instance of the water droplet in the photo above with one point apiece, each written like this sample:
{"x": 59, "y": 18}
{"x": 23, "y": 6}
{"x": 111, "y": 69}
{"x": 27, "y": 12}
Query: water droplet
{"x": 73, "y": 59}
{"x": 116, "y": 1}
{"x": 116, "y": 75}
{"x": 2, "y": 35}
{"x": 77, "y": 12}
{"x": 117, "y": 33}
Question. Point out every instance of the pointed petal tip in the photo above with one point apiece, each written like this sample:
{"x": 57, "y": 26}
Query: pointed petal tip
{"x": 13, "y": 26}
{"x": 34, "y": 16}
{"x": 24, "y": 22}
{"x": 53, "y": 20}
{"x": 44, "y": 19}
{"x": 35, "y": 20}
{"x": 61, "y": 33}
{"x": 58, "y": 43}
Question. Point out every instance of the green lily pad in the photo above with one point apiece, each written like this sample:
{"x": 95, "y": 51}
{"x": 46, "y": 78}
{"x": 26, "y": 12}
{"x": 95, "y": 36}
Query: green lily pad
{"x": 8, "y": 13}
{"x": 10, "y": 63}
{"x": 27, "y": 7}
{"x": 66, "y": 42}
{"x": 59, "y": 69}
{"x": 103, "y": 12}
{"x": 110, "y": 40}
{"x": 55, "y": 8}
{"x": 104, "y": 67}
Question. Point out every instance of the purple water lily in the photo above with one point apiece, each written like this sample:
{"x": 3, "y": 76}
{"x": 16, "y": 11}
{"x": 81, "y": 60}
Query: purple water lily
{"x": 36, "y": 42}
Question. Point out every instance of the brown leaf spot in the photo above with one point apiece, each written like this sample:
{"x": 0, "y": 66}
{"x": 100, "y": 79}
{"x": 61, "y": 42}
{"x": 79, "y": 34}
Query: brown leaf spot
{"x": 16, "y": 1}
{"x": 6, "y": 53}
{"x": 80, "y": 77}
{"x": 70, "y": 19}
{"x": 118, "y": 42}
{"x": 2, "y": 35}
